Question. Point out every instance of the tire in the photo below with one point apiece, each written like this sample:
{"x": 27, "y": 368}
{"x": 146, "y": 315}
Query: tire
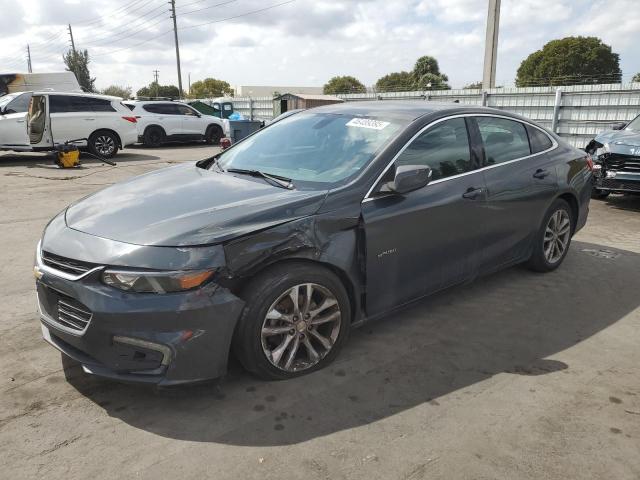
{"x": 599, "y": 194}
{"x": 103, "y": 143}
{"x": 553, "y": 239}
{"x": 213, "y": 135}
{"x": 264, "y": 345}
{"x": 154, "y": 137}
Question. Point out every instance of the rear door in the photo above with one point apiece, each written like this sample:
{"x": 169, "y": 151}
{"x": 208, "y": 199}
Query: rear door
{"x": 39, "y": 122}
{"x": 430, "y": 238}
{"x": 191, "y": 120}
{"x": 520, "y": 186}
{"x": 72, "y": 117}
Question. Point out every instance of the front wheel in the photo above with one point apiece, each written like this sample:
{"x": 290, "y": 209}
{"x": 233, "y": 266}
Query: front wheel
{"x": 103, "y": 144}
{"x": 296, "y": 320}
{"x": 213, "y": 135}
{"x": 553, "y": 239}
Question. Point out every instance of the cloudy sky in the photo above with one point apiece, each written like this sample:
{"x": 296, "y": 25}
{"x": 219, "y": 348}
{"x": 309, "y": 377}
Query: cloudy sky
{"x": 302, "y": 42}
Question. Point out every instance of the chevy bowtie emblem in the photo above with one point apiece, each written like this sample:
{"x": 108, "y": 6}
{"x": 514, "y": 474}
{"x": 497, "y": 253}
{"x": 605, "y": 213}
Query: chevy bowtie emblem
{"x": 37, "y": 272}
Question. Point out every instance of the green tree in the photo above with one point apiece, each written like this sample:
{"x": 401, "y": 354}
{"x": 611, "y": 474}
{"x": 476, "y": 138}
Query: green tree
{"x": 426, "y": 74}
{"x": 210, "y": 87}
{"x": 117, "y": 91}
{"x": 570, "y": 61}
{"x": 636, "y": 78}
{"x": 475, "y": 85}
{"x": 78, "y": 62}
{"x": 396, "y": 81}
{"x": 156, "y": 90}
{"x": 343, "y": 84}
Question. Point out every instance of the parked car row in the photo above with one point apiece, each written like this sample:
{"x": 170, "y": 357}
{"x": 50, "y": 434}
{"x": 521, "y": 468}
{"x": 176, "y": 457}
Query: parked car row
{"x": 36, "y": 121}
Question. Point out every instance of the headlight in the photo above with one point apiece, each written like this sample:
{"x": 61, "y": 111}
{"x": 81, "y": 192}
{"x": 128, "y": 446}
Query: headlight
{"x": 156, "y": 282}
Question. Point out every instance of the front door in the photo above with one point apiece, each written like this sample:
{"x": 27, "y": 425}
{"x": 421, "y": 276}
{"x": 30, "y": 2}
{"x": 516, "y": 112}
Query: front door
{"x": 430, "y": 238}
{"x": 191, "y": 121}
{"x": 13, "y": 123}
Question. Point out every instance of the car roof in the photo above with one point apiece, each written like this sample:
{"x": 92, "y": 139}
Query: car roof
{"x": 407, "y": 110}
{"x": 77, "y": 94}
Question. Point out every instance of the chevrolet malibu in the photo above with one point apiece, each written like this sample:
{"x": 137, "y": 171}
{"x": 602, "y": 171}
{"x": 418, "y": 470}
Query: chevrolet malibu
{"x": 322, "y": 221}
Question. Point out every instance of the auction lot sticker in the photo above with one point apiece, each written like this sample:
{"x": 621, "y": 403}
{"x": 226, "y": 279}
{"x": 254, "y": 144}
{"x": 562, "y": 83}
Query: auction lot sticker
{"x": 367, "y": 123}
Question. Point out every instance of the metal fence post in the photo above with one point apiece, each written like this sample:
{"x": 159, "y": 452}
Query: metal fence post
{"x": 556, "y": 111}
{"x": 250, "y": 108}
{"x": 485, "y": 98}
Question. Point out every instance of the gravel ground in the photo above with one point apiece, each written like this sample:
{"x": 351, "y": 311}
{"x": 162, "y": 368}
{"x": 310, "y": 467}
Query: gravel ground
{"x": 516, "y": 376}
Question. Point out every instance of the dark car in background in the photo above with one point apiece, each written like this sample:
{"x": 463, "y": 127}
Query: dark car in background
{"x": 322, "y": 221}
{"x": 616, "y": 155}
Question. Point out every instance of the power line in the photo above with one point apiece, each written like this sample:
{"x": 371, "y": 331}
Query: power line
{"x": 207, "y": 8}
{"x": 240, "y": 15}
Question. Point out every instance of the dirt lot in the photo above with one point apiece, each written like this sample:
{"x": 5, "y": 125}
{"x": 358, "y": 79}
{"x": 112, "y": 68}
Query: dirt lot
{"x": 516, "y": 376}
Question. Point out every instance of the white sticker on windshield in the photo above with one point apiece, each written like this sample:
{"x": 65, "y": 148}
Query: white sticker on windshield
{"x": 367, "y": 123}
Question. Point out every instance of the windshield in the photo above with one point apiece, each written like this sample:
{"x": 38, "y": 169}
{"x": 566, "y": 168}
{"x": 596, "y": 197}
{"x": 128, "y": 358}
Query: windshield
{"x": 312, "y": 147}
{"x": 634, "y": 125}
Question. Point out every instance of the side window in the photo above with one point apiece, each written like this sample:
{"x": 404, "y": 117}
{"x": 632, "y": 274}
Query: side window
{"x": 60, "y": 104}
{"x": 444, "y": 148}
{"x": 539, "y": 140}
{"x": 81, "y": 104}
{"x": 168, "y": 109}
{"x": 19, "y": 104}
{"x": 503, "y": 139}
{"x": 186, "y": 110}
{"x": 101, "y": 105}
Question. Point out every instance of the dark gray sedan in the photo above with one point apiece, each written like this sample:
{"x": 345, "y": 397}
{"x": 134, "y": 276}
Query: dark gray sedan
{"x": 275, "y": 248}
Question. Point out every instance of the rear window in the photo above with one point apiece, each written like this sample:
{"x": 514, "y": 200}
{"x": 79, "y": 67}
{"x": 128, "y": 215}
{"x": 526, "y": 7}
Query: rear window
{"x": 69, "y": 103}
{"x": 539, "y": 140}
{"x": 129, "y": 106}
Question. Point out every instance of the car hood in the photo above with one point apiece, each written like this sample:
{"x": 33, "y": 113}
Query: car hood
{"x": 620, "y": 140}
{"x": 186, "y": 205}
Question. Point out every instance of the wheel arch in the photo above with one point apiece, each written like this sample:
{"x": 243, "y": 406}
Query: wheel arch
{"x": 154, "y": 125}
{"x": 342, "y": 275}
{"x": 98, "y": 130}
{"x": 572, "y": 200}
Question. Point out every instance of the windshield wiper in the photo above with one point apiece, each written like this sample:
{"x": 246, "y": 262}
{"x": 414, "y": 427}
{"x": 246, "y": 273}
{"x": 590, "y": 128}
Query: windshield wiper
{"x": 282, "y": 182}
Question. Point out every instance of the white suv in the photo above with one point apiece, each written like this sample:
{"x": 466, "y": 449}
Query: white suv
{"x": 32, "y": 121}
{"x": 168, "y": 121}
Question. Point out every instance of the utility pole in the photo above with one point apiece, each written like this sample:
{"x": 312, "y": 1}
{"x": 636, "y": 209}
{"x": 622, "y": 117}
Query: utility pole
{"x": 155, "y": 80}
{"x": 175, "y": 34}
{"x": 29, "y": 59}
{"x": 189, "y": 77}
{"x": 491, "y": 45}
{"x": 73, "y": 45}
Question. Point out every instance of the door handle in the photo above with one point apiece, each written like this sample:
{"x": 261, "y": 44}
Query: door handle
{"x": 472, "y": 193}
{"x": 19, "y": 121}
{"x": 540, "y": 173}
{"x": 89, "y": 119}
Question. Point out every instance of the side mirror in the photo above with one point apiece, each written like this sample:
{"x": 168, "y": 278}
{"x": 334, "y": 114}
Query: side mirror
{"x": 618, "y": 126}
{"x": 409, "y": 178}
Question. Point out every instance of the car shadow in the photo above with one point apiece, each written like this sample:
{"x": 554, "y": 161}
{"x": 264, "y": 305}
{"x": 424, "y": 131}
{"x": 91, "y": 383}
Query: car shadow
{"x": 624, "y": 202}
{"x": 507, "y": 323}
{"x": 46, "y": 160}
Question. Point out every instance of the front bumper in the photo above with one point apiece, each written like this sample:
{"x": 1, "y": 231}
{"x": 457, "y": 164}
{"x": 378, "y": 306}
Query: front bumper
{"x": 162, "y": 339}
{"x": 616, "y": 181}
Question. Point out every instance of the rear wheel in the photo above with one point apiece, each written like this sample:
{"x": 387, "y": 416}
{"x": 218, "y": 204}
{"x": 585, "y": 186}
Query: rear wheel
{"x": 154, "y": 137}
{"x": 103, "y": 144}
{"x": 213, "y": 135}
{"x": 296, "y": 320}
{"x": 553, "y": 239}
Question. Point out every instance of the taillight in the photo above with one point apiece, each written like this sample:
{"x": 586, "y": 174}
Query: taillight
{"x": 130, "y": 119}
{"x": 589, "y": 163}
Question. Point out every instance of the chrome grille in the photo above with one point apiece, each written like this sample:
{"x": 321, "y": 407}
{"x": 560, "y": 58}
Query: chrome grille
{"x": 73, "y": 314}
{"x": 67, "y": 265}
{"x": 623, "y": 163}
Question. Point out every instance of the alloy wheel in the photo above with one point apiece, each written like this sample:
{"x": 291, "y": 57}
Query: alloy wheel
{"x": 556, "y": 236}
{"x": 301, "y": 327}
{"x": 104, "y": 145}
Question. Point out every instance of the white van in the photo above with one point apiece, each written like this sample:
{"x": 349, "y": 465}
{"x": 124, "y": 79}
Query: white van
{"x": 32, "y": 121}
